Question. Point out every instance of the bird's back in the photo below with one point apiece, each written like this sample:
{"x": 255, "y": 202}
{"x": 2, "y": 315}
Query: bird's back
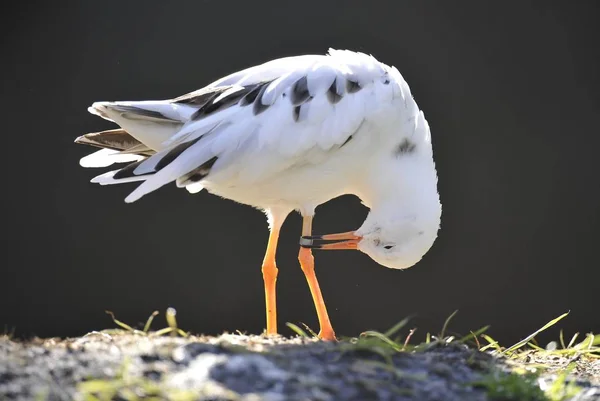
{"x": 305, "y": 119}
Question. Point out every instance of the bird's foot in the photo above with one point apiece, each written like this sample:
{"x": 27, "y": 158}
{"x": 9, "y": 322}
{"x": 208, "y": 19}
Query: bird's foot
{"x": 327, "y": 335}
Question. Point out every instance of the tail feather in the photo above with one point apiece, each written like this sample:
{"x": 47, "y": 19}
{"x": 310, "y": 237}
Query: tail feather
{"x": 115, "y": 139}
{"x": 149, "y": 122}
{"x": 107, "y": 157}
{"x": 117, "y": 146}
{"x": 108, "y": 178}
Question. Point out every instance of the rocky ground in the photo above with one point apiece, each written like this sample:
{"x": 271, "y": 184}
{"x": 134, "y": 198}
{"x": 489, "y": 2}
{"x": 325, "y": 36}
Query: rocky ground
{"x": 125, "y": 365}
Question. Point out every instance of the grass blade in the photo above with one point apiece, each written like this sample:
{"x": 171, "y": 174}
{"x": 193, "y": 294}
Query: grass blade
{"x": 297, "y": 330}
{"x": 445, "y": 326}
{"x": 397, "y": 327}
{"x": 491, "y": 343}
{"x": 161, "y": 332}
{"x": 474, "y": 334}
{"x": 172, "y": 321}
{"x": 311, "y": 331}
{"x": 535, "y": 333}
{"x": 119, "y": 323}
{"x": 408, "y": 337}
{"x": 562, "y": 339}
{"x": 573, "y": 340}
{"x": 149, "y": 321}
{"x": 382, "y": 337}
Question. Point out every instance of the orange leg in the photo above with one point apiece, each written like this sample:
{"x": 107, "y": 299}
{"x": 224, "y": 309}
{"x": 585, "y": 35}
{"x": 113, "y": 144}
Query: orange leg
{"x": 269, "y": 271}
{"x": 307, "y": 262}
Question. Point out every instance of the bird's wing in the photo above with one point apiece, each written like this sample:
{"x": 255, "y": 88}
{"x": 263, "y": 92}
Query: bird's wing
{"x": 283, "y": 110}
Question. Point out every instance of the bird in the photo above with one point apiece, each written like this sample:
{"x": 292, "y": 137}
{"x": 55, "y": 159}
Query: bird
{"x": 287, "y": 135}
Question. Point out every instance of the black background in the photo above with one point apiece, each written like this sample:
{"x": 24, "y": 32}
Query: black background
{"x": 512, "y": 95}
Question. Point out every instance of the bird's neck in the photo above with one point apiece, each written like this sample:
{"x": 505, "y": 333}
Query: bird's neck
{"x": 405, "y": 183}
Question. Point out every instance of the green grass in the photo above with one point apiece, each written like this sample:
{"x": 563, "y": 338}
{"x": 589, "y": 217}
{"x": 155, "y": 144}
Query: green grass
{"x": 170, "y": 316}
{"x": 502, "y": 386}
{"x": 526, "y": 359}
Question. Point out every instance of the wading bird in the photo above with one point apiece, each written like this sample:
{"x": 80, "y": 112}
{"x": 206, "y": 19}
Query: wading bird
{"x": 290, "y": 134}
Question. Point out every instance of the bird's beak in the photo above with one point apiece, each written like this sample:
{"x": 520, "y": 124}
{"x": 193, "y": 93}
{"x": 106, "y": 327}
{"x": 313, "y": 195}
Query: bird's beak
{"x": 340, "y": 241}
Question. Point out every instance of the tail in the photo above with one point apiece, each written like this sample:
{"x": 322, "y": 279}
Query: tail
{"x": 145, "y": 127}
{"x": 160, "y": 138}
{"x": 182, "y": 161}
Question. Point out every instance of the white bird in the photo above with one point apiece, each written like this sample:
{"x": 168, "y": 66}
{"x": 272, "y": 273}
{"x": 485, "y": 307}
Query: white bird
{"x": 290, "y": 134}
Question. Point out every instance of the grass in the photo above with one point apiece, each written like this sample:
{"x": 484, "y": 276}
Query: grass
{"x": 519, "y": 377}
{"x": 526, "y": 359}
{"x": 502, "y": 386}
{"x": 170, "y": 316}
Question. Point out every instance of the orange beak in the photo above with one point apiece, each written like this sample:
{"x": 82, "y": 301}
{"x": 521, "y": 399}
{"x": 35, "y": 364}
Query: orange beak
{"x": 340, "y": 241}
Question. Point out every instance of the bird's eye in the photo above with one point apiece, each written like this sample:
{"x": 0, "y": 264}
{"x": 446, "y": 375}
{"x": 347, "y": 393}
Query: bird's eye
{"x": 388, "y": 246}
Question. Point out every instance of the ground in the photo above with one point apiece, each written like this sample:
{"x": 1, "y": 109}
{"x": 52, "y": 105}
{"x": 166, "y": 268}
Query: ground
{"x": 127, "y": 364}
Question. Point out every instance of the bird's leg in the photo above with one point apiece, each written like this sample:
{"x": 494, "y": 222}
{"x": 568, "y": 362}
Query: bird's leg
{"x": 307, "y": 262}
{"x": 269, "y": 271}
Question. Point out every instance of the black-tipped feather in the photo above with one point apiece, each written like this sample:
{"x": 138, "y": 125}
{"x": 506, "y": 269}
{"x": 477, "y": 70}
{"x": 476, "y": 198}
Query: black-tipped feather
{"x": 127, "y": 171}
{"x": 352, "y": 86}
{"x": 332, "y": 95}
{"x": 138, "y": 113}
{"x": 201, "y": 96}
{"x": 199, "y": 173}
{"x": 174, "y": 154}
{"x": 259, "y": 107}
{"x": 222, "y": 103}
{"x": 300, "y": 92}
{"x": 296, "y": 113}
{"x": 250, "y": 97}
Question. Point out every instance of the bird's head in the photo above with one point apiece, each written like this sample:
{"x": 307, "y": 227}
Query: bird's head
{"x": 395, "y": 241}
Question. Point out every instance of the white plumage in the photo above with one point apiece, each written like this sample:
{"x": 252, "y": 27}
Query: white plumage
{"x": 287, "y": 135}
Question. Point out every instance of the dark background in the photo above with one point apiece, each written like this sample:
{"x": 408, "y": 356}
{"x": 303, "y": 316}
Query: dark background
{"x": 511, "y": 92}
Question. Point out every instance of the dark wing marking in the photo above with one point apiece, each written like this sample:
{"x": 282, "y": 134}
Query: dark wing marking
{"x": 405, "y": 147}
{"x": 253, "y": 93}
{"x": 259, "y": 107}
{"x": 250, "y": 94}
{"x": 175, "y": 153}
{"x": 222, "y": 103}
{"x": 201, "y": 96}
{"x": 136, "y": 113}
{"x": 300, "y": 92}
{"x": 296, "y": 112}
{"x": 352, "y": 86}
{"x": 346, "y": 141}
{"x": 127, "y": 171}
{"x": 199, "y": 173}
{"x": 332, "y": 94}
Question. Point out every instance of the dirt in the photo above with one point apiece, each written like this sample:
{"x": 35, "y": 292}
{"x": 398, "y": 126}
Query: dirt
{"x": 118, "y": 365}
